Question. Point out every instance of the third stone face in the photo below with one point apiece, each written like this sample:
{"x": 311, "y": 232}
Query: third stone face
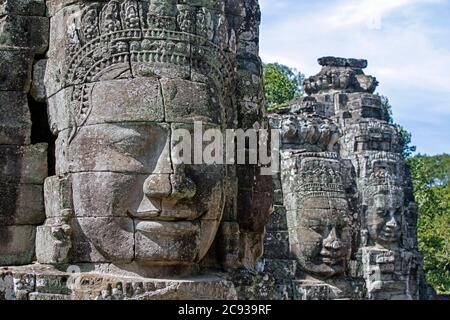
{"x": 324, "y": 236}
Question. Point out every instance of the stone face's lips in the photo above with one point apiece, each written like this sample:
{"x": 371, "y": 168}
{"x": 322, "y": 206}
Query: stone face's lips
{"x": 167, "y": 228}
{"x": 389, "y": 235}
{"x": 166, "y": 215}
{"x": 331, "y": 261}
{"x": 147, "y": 215}
{"x": 330, "y": 258}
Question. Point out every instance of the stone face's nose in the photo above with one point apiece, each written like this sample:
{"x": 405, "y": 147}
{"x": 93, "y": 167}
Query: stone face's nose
{"x": 332, "y": 241}
{"x": 392, "y": 223}
{"x": 157, "y": 186}
{"x": 183, "y": 187}
{"x": 177, "y": 186}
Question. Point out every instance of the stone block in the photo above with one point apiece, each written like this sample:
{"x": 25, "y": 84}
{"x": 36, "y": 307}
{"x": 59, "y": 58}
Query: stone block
{"x": 37, "y": 90}
{"x": 281, "y": 270}
{"x": 22, "y": 204}
{"x": 108, "y": 194}
{"x": 15, "y": 118}
{"x": 24, "y": 164}
{"x": 19, "y": 77}
{"x": 36, "y": 296}
{"x": 54, "y": 284}
{"x": 58, "y": 197}
{"x": 276, "y": 245}
{"x": 132, "y": 148}
{"x": 52, "y": 244}
{"x": 278, "y": 219}
{"x": 25, "y": 32}
{"x": 315, "y": 291}
{"x": 15, "y": 286}
{"x": 123, "y": 100}
{"x": 278, "y": 197}
{"x": 160, "y": 241}
{"x": 114, "y": 101}
{"x": 53, "y": 6}
{"x": 17, "y": 245}
{"x": 187, "y": 101}
{"x": 102, "y": 240}
{"x": 343, "y": 62}
{"x": 22, "y": 7}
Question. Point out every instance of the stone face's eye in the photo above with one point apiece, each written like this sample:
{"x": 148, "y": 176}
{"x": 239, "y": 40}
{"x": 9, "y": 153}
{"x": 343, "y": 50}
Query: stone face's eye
{"x": 382, "y": 212}
{"x": 316, "y": 226}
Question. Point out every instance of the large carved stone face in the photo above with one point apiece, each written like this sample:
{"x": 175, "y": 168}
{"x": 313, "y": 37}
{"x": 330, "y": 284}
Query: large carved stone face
{"x": 131, "y": 201}
{"x": 324, "y": 236}
{"x": 122, "y": 77}
{"x": 383, "y": 218}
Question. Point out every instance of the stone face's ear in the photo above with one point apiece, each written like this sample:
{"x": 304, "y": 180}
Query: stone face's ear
{"x": 53, "y": 239}
{"x": 58, "y": 197}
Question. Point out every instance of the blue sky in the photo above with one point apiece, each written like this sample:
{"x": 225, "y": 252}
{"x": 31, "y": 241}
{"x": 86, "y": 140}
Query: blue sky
{"x": 407, "y": 43}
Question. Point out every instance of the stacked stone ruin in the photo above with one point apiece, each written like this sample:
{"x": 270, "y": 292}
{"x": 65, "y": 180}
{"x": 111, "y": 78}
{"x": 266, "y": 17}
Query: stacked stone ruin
{"x": 94, "y": 204}
{"x": 120, "y": 77}
{"x": 345, "y": 220}
{"x": 23, "y": 162}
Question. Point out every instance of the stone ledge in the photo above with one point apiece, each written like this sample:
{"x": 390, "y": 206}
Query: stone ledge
{"x": 43, "y": 282}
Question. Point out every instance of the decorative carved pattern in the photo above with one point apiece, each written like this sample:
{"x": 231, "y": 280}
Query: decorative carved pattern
{"x": 112, "y": 37}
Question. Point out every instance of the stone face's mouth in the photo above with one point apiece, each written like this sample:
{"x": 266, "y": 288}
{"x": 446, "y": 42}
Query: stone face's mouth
{"x": 145, "y": 215}
{"x": 389, "y": 235}
{"x": 167, "y": 228}
{"x": 167, "y": 214}
{"x": 331, "y": 258}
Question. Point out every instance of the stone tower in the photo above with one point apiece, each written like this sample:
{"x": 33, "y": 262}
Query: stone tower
{"x": 337, "y": 143}
{"x": 120, "y": 79}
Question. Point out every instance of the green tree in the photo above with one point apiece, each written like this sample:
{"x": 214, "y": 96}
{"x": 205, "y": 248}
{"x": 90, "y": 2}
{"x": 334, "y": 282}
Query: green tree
{"x": 408, "y": 148}
{"x": 432, "y": 192}
{"x": 282, "y": 84}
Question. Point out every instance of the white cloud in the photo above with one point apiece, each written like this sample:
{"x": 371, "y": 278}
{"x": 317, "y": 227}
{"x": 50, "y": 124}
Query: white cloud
{"x": 367, "y": 12}
{"x": 399, "y": 54}
{"x": 402, "y": 49}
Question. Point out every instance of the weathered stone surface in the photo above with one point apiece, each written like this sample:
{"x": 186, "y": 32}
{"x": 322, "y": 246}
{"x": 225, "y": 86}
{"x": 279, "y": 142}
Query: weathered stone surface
{"x": 37, "y": 282}
{"x": 340, "y": 75}
{"x": 36, "y": 296}
{"x": 132, "y": 148}
{"x": 28, "y": 32}
{"x": 187, "y": 101}
{"x": 102, "y": 239}
{"x": 121, "y": 80}
{"x": 15, "y": 118}
{"x": 276, "y": 245}
{"x": 116, "y": 101}
{"x": 19, "y": 77}
{"x": 58, "y": 197}
{"x": 37, "y": 90}
{"x": 24, "y": 164}
{"x": 53, "y": 243}
{"x": 280, "y": 269}
{"x": 17, "y": 245}
{"x": 343, "y": 62}
{"x": 159, "y": 241}
{"x": 343, "y": 186}
{"x": 22, "y": 204}
{"x": 23, "y": 7}
{"x": 278, "y": 219}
